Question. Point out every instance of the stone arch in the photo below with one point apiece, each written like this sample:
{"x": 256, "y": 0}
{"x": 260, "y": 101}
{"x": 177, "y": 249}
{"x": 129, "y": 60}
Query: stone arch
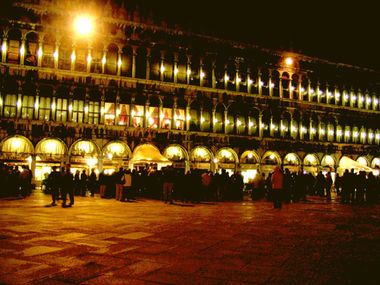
{"x": 51, "y": 149}
{"x": 16, "y": 147}
{"x": 249, "y": 157}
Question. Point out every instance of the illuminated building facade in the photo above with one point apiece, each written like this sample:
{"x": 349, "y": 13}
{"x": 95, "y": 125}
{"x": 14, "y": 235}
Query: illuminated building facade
{"x": 86, "y": 85}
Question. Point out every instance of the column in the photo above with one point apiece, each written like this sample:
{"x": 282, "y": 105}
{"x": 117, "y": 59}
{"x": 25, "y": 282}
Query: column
{"x": 309, "y": 91}
{"x": 225, "y": 121}
{"x": 259, "y": 84}
{"x": 33, "y": 167}
{"x": 131, "y": 110}
{"x": 188, "y": 69}
{"x": 4, "y": 47}
{"x": 237, "y": 80}
{"x": 175, "y": 67}
{"x": 89, "y": 60}
{"x": 300, "y": 95}
{"x": 174, "y": 107}
{"x": 213, "y": 120}
{"x": 261, "y": 129}
{"x": 280, "y": 87}
{"x": 249, "y": 81}
{"x": 119, "y": 62}
{"x": 318, "y": 95}
{"x": 73, "y": 58}
{"x": 226, "y": 77}
{"x": 104, "y": 60}
{"x": 36, "y": 104}
{"x": 146, "y": 108}
{"x": 162, "y": 66}
{"x": 201, "y": 73}
{"x": 147, "y": 67}
{"x": 311, "y": 134}
{"x": 70, "y": 102}
{"x": 56, "y": 54}
{"x": 134, "y": 54}
{"x": 39, "y": 53}
{"x": 213, "y": 77}
{"x": 22, "y": 50}
{"x": 270, "y": 84}
{"x": 187, "y": 117}
{"x": 86, "y": 99}
{"x": 290, "y": 88}
{"x": 19, "y": 102}
{"x": 102, "y": 107}
{"x": 52, "y": 113}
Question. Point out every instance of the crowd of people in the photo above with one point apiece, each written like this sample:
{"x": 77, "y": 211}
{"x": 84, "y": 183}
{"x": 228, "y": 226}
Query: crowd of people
{"x": 15, "y": 180}
{"x": 170, "y": 184}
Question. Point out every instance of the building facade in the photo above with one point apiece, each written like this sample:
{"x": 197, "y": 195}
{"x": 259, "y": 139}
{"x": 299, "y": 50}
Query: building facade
{"x": 88, "y": 84}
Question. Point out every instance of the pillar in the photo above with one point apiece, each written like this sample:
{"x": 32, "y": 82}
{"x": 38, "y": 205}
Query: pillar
{"x": 188, "y": 69}
{"x": 225, "y": 121}
{"x": 270, "y": 84}
{"x": 104, "y": 60}
{"x": 22, "y": 51}
{"x": 147, "y": 67}
{"x": 249, "y": 84}
{"x": 36, "y": 104}
{"x": 290, "y": 88}
{"x": 259, "y": 85}
{"x": 280, "y": 87}
{"x": 56, "y": 55}
{"x": 119, "y": 62}
{"x": 39, "y": 54}
{"x": 134, "y": 54}
{"x": 201, "y": 74}
{"x": 162, "y": 66}
{"x": 89, "y": 60}
{"x": 225, "y": 77}
{"x": 261, "y": 129}
{"x": 213, "y": 77}
{"x": 175, "y": 68}
{"x": 309, "y": 98}
{"x": 72, "y": 59}
{"x": 187, "y": 118}
{"x": 4, "y": 47}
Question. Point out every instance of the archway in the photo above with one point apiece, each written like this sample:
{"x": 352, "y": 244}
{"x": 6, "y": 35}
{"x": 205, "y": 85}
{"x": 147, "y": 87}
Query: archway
{"x": 16, "y": 150}
{"x": 49, "y": 152}
{"x": 227, "y": 159}
{"x": 269, "y": 161}
{"x": 178, "y": 155}
{"x": 249, "y": 165}
{"x": 201, "y": 158}
{"x": 292, "y": 162}
{"x": 84, "y": 155}
{"x": 115, "y": 154}
{"x": 311, "y": 163}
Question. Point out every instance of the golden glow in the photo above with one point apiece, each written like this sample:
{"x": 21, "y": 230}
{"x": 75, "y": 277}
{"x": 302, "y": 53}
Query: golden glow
{"x": 177, "y": 124}
{"x": 238, "y": 123}
{"x": 376, "y": 162}
{"x": 362, "y": 161}
{"x": 354, "y": 98}
{"x": 376, "y": 101}
{"x": 151, "y": 121}
{"x": 39, "y": 53}
{"x": 303, "y": 130}
{"x": 215, "y": 160}
{"x": 188, "y": 72}
{"x": 70, "y": 108}
{"x": 16, "y": 143}
{"x": 86, "y": 109}
{"x": 250, "y": 155}
{"x": 215, "y": 120}
{"x": 4, "y": 47}
{"x": 22, "y": 50}
{"x": 55, "y": 54}
{"x": 202, "y": 75}
{"x": 18, "y": 103}
{"x": 84, "y": 146}
{"x": 355, "y": 134}
{"x": 329, "y": 160}
{"x": 339, "y": 133}
{"x": 313, "y": 130}
{"x": 289, "y": 61}
{"x": 331, "y": 132}
{"x": 200, "y": 152}
{"x": 226, "y": 78}
{"x": 302, "y": 89}
{"x": 272, "y": 156}
{"x": 84, "y": 25}
{"x": 271, "y": 85}
{"x": 91, "y": 162}
{"x": 250, "y": 81}
{"x": 310, "y": 159}
{"x": 347, "y": 133}
{"x": 89, "y": 58}
{"x": 238, "y": 79}
{"x": 250, "y": 124}
{"x": 202, "y": 120}
{"x": 104, "y": 60}
{"x": 175, "y": 70}
{"x": 227, "y": 122}
{"x": 119, "y": 63}
{"x": 162, "y": 69}
{"x": 173, "y": 151}
{"x": 73, "y": 56}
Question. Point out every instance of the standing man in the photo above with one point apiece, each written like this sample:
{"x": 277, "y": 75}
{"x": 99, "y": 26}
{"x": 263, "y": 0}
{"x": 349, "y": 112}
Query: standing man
{"x": 68, "y": 187}
{"x": 168, "y": 185}
{"x": 127, "y": 187}
{"x": 277, "y": 186}
{"x": 92, "y": 182}
{"x": 54, "y": 180}
{"x": 83, "y": 183}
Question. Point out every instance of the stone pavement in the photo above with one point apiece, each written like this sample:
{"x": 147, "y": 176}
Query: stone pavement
{"x": 100, "y": 241}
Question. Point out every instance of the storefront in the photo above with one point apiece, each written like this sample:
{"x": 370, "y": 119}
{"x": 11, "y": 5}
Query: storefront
{"x": 328, "y": 164}
{"x": 226, "y": 159}
{"x": 178, "y": 156}
{"x": 269, "y": 161}
{"x": 310, "y": 164}
{"x": 147, "y": 156}
{"x": 116, "y": 154}
{"x": 17, "y": 150}
{"x": 84, "y": 155}
{"x": 292, "y": 162}
{"x": 201, "y": 158}
{"x": 49, "y": 152}
{"x": 249, "y": 166}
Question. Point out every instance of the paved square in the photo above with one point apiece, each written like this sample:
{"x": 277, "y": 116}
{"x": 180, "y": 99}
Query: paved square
{"x": 100, "y": 241}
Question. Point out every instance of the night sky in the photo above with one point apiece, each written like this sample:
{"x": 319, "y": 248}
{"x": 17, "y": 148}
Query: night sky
{"x": 341, "y": 31}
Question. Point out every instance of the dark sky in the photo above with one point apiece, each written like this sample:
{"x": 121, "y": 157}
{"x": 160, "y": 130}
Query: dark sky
{"x": 338, "y": 30}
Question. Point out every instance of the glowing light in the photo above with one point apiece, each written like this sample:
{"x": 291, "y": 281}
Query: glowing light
{"x": 89, "y": 58}
{"x": 361, "y": 99}
{"x": 370, "y": 135}
{"x": 271, "y": 85}
{"x": 362, "y": 161}
{"x": 238, "y": 79}
{"x": 18, "y": 103}
{"x": 177, "y": 124}
{"x": 175, "y": 70}
{"x": 354, "y": 98}
{"x": 238, "y": 123}
{"x": 119, "y": 63}
{"x": 250, "y": 124}
{"x": 377, "y": 136}
{"x": 347, "y": 133}
{"x": 39, "y": 52}
{"x": 91, "y": 162}
{"x": 363, "y": 135}
{"x": 151, "y": 121}
{"x": 272, "y": 157}
{"x": 118, "y": 111}
{"x": 320, "y": 92}
{"x": 302, "y": 89}
{"x": 109, "y": 155}
{"x": 369, "y": 100}
{"x": 345, "y": 97}
{"x": 215, "y": 160}
{"x": 102, "y": 110}
{"x": 73, "y": 56}
{"x": 29, "y": 159}
{"x": 55, "y": 54}
{"x": 226, "y": 78}
{"x": 289, "y": 61}
{"x": 355, "y": 134}
{"x": 291, "y": 88}
{"x": 339, "y": 133}
{"x": 84, "y": 25}
{"x": 215, "y": 120}
{"x": 188, "y": 118}
{"x": 294, "y": 129}
{"x": 303, "y": 130}
{"x": 322, "y": 131}
{"x": 22, "y": 50}
{"x": 188, "y": 72}
{"x": 261, "y": 83}
{"x": 227, "y": 122}
{"x": 4, "y": 47}
{"x": 337, "y": 95}
{"x": 312, "y": 91}
{"x": 331, "y": 132}
{"x": 329, "y": 160}
{"x": 104, "y": 60}
{"x": 162, "y": 69}
{"x": 202, "y": 74}
{"x": 250, "y": 81}
{"x": 376, "y": 101}
{"x": 202, "y": 120}
{"x": 70, "y": 107}
{"x": 313, "y": 130}
{"x": 250, "y": 155}
{"x": 16, "y": 143}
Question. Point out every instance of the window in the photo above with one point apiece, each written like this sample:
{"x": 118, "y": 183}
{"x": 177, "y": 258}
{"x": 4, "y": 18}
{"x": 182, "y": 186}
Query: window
{"x": 93, "y": 112}
{"x": 138, "y": 116}
{"x": 27, "y": 107}
{"x": 166, "y": 122}
{"x": 124, "y": 114}
{"x": 78, "y": 111}
{"x": 44, "y": 109}
{"x": 61, "y": 110}
{"x": 10, "y": 106}
{"x": 109, "y": 113}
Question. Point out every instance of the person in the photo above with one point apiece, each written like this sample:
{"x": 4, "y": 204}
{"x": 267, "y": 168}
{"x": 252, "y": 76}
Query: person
{"x": 92, "y": 182}
{"x": 77, "y": 182}
{"x": 127, "y": 186}
{"x": 102, "y": 185}
{"x": 67, "y": 187}
{"x": 168, "y": 185}
{"x": 54, "y": 180}
{"x": 277, "y": 186}
{"x": 119, "y": 184}
{"x": 83, "y": 182}
{"x": 328, "y": 185}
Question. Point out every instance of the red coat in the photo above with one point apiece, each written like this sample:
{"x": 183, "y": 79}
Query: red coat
{"x": 277, "y": 180}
